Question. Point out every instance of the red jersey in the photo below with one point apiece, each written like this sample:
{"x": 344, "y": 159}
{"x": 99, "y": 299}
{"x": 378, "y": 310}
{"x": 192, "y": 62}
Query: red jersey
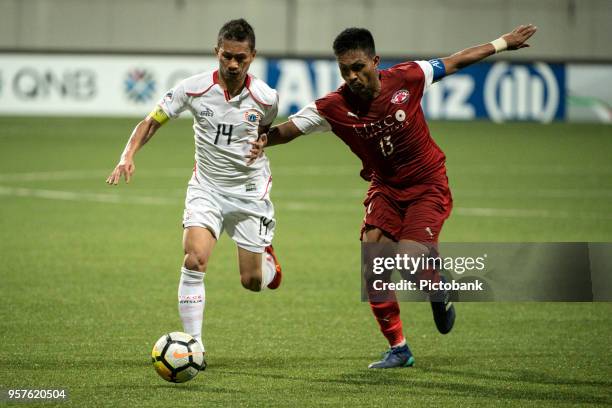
{"x": 389, "y": 133}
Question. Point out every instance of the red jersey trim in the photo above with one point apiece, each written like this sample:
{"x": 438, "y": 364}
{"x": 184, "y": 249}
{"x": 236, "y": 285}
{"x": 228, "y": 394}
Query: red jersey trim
{"x": 248, "y": 87}
{"x": 267, "y": 187}
{"x": 195, "y": 171}
{"x": 215, "y": 82}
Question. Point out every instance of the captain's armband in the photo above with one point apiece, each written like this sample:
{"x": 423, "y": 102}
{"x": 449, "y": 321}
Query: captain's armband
{"x": 159, "y": 115}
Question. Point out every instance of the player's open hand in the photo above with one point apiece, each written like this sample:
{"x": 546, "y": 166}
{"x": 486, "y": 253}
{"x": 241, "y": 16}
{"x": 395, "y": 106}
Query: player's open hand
{"x": 517, "y": 37}
{"x": 125, "y": 168}
{"x": 257, "y": 148}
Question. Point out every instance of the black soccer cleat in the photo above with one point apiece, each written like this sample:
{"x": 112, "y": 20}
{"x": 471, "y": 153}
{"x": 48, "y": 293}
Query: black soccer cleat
{"x": 443, "y": 309}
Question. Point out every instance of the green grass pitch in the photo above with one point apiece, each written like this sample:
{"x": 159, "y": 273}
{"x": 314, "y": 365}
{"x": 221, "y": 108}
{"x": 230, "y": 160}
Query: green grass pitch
{"x": 88, "y": 274}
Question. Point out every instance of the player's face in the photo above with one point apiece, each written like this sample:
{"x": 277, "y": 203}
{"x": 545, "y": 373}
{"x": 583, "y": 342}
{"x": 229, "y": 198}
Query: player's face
{"x": 235, "y": 57}
{"x": 360, "y": 73}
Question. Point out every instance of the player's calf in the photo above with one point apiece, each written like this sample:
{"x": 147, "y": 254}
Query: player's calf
{"x": 251, "y": 282}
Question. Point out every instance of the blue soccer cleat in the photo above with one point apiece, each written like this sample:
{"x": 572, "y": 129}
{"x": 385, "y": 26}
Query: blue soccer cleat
{"x": 443, "y": 309}
{"x": 395, "y": 357}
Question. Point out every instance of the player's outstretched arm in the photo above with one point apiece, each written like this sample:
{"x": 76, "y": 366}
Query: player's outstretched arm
{"x": 279, "y": 134}
{"x": 283, "y": 133}
{"x": 140, "y": 136}
{"x": 514, "y": 40}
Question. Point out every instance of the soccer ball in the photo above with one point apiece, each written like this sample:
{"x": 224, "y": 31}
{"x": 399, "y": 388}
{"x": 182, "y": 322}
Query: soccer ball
{"x": 178, "y": 357}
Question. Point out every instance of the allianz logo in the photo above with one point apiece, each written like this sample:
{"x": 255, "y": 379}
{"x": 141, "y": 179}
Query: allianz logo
{"x": 513, "y": 92}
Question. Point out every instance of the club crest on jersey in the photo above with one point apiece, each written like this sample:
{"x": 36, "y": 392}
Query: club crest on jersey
{"x": 400, "y": 96}
{"x": 168, "y": 96}
{"x": 252, "y": 116}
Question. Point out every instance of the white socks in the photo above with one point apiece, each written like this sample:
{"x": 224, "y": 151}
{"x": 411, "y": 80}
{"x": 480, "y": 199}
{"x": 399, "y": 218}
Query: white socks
{"x": 191, "y": 302}
{"x": 268, "y": 270}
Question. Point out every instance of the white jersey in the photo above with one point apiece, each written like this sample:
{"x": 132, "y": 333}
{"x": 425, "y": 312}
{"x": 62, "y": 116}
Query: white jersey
{"x": 223, "y": 127}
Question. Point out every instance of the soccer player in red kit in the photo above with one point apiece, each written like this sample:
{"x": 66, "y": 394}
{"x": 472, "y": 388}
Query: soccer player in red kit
{"x": 378, "y": 114}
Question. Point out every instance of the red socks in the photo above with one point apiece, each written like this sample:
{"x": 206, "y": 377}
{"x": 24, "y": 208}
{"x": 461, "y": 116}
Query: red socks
{"x": 388, "y": 317}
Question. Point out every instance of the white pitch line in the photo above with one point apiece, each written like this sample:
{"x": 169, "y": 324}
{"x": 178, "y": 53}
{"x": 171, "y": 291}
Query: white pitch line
{"x": 91, "y": 197}
{"x": 298, "y": 206}
{"x": 309, "y": 170}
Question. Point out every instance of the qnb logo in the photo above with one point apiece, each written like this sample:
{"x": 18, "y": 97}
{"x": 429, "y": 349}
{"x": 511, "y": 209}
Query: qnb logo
{"x": 139, "y": 85}
{"x": 515, "y": 92}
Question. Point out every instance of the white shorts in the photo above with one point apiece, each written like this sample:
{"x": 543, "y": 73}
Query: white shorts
{"x": 249, "y": 222}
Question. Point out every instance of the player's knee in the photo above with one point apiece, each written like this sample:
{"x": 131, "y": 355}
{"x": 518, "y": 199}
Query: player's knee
{"x": 413, "y": 249}
{"x": 195, "y": 261}
{"x": 251, "y": 282}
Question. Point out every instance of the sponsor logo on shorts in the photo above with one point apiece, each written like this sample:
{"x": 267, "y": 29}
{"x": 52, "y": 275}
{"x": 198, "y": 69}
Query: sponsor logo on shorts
{"x": 400, "y": 96}
{"x": 250, "y": 187}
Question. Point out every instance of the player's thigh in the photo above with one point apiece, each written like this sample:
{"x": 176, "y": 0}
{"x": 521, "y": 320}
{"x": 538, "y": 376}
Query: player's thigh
{"x": 375, "y": 235}
{"x": 198, "y": 244}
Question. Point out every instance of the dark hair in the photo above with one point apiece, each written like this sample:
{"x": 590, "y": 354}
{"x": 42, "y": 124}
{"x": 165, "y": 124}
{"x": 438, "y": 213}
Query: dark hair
{"x": 237, "y": 30}
{"x": 354, "y": 39}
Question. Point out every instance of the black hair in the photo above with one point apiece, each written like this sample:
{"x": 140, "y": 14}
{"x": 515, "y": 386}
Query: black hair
{"x": 237, "y": 30}
{"x": 354, "y": 39}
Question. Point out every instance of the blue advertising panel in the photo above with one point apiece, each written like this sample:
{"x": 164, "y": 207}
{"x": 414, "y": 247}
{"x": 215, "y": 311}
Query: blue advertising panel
{"x": 498, "y": 91}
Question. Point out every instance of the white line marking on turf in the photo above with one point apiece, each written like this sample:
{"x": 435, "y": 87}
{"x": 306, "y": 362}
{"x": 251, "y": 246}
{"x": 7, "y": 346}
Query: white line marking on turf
{"x": 298, "y": 206}
{"x": 308, "y": 170}
{"x": 95, "y": 197}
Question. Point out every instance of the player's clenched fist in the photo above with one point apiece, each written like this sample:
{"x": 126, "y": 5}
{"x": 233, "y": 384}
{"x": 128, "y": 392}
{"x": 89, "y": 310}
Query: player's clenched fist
{"x": 125, "y": 168}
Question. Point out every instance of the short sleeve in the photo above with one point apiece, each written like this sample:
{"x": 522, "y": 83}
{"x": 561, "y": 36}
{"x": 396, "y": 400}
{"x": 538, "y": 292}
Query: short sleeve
{"x": 270, "y": 114}
{"x": 174, "y": 101}
{"x": 428, "y": 71}
{"x": 308, "y": 120}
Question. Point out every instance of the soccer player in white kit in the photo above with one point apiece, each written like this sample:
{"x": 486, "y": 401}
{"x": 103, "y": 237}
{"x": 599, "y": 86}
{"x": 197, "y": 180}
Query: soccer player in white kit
{"x": 230, "y": 109}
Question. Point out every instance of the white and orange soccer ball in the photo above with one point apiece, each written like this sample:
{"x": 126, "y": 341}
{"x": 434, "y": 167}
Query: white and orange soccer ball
{"x": 178, "y": 357}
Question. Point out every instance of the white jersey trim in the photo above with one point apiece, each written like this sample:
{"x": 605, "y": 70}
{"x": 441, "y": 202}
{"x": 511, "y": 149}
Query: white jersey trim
{"x": 309, "y": 120}
{"x": 427, "y": 69}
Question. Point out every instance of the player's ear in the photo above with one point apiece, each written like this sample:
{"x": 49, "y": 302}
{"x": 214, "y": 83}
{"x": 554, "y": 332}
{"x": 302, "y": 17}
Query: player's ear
{"x": 376, "y": 60}
{"x": 216, "y": 50}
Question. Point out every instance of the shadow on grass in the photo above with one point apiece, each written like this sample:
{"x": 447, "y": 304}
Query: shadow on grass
{"x": 432, "y": 378}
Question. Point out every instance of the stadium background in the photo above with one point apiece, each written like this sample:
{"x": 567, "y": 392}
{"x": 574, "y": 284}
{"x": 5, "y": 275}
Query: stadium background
{"x": 88, "y": 274}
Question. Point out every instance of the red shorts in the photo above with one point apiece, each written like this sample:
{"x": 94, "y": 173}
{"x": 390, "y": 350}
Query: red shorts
{"x": 416, "y": 213}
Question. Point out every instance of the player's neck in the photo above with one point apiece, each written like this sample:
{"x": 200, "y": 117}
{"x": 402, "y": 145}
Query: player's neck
{"x": 370, "y": 93}
{"x": 376, "y": 87}
{"x": 233, "y": 87}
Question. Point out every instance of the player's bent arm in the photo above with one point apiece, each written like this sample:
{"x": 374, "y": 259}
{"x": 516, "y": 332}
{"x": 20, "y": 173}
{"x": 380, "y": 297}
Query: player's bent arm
{"x": 513, "y": 40}
{"x": 141, "y": 134}
{"x": 283, "y": 133}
